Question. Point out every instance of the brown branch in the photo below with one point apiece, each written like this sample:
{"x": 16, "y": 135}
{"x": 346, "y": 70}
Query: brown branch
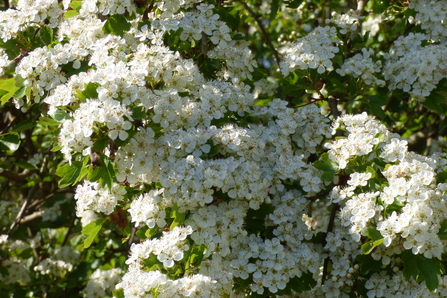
{"x": 330, "y": 227}
{"x": 31, "y": 192}
{"x": 332, "y": 102}
{"x": 31, "y": 217}
{"x": 319, "y": 195}
{"x": 70, "y": 228}
{"x": 22, "y": 210}
{"x": 360, "y": 10}
{"x": 264, "y": 32}
{"x": 21, "y": 177}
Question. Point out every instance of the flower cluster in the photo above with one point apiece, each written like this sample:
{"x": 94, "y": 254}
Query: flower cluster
{"x": 410, "y": 186}
{"x": 29, "y": 12}
{"x": 91, "y": 196}
{"x": 101, "y": 282}
{"x": 313, "y": 51}
{"x": 365, "y": 134}
{"x": 106, "y": 7}
{"x": 414, "y": 68}
{"x": 362, "y": 66}
{"x": 431, "y": 16}
{"x": 61, "y": 262}
{"x": 346, "y": 22}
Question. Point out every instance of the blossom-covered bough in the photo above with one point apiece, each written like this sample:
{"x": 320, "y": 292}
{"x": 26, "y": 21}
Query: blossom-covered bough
{"x": 207, "y": 164}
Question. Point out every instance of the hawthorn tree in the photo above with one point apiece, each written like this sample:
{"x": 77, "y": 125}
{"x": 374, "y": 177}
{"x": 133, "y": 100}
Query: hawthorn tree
{"x": 191, "y": 148}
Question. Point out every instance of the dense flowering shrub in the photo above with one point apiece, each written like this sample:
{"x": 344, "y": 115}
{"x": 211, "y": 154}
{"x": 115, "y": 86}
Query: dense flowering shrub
{"x": 215, "y": 149}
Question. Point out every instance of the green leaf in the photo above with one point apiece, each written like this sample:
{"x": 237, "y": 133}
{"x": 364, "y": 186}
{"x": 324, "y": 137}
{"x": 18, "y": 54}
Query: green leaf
{"x": 151, "y": 232}
{"x": 422, "y": 269}
{"x": 371, "y": 170}
{"x": 70, "y": 14}
{"x": 293, "y": 3}
{"x": 46, "y": 35}
{"x": 11, "y": 47}
{"x": 335, "y": 84}
{"x": 179, "y": 218}
{"x": 26, "y": 165}
{"x": 276, "y": 4}
{"x": 376, "y": 240}
{"x": 91, "y": 230}
{"x": 118, "y": 293}
{"x": 90, "y": 90}
{"x": 141, "y": 232}
{"x": 56, "y": 148}
{"x": 24, "y": 125}
{"x": 116, "y": 24}
{"x": 433, "y": 102}
{"x": 21, "y": 92}
{"x": 304, "y": 283}
{"x": 3, "y": 93}
{"x": 375, "y": 104}
{"x": 76, "y": 7}
{"x": 9, "y": 87}
{"x": 69, "y": 173}
{"x": 152, "y": 263}
{"x": 76, "y": 4}
{"x": 367, "y": 263}
{"x": 326, "y": 165}
{"x": 196, "y": 256}
{"x": 138, "y": 113}
{"x": 443, "y": 124}
{"x": 443, "y": 230}
{"x": 104, "y": 173}
{"x": 9, "y": 142}
{"x": 27, "y": 253}
{"x": 373, "y": 234}
{"x": 255, "y": 219}
{"x": 61, "y": 115}
{"x": 47, "y": 121}
{"x": 259, "y": 73}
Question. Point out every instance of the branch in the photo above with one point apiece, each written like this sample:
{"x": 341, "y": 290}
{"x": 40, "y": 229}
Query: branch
{"x": 319, "y": 195}
{"x": 360, "y": 10}
{"x": 266, "y": 36}
{"x": 70, "y": 228}
{"x": 31, "y": 192}
{"x": 332, "y": 102}
{"x": 330, "y": 227}
{"x": 22, "y": 210}
{"x": 361, "y": 6}
{"x": 31, "y": 217}
{"x": 21, "y": 177}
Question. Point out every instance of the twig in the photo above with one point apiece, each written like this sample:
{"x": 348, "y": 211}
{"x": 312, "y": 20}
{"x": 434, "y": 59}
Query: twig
{"x": 361, "y": 6}
{"x": 132, "y": 235}
{"x": 333, "y": 106}
{"x": 319, "y": 195}
{"x": 31, "y": 217}
{"x": 67, "y": 235}
{"x": 360, "y": 10}
{"x": 16, "y": 177}
{"x": 22, "y": 210}
{"x": 266, "y": 36}
{"x": 3, "y": 186}
{"x": 330, "y": 227}
{"x": 314, "y": 100}
{"x": 30, "y": 194}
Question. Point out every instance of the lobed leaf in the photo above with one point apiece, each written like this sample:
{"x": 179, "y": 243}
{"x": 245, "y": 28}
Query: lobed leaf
{"x": 91, "y": 230}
